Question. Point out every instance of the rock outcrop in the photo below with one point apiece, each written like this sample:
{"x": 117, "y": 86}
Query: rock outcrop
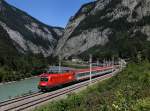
{"x": 97, "y": 21}
{"x": 27, "y": 33}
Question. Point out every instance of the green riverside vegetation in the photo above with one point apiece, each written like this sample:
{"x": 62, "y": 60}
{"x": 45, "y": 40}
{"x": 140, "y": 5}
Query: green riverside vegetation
{"x": 127, "y": 91}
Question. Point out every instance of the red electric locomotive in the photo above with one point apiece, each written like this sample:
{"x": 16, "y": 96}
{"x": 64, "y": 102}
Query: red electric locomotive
{"x": 54, "y": 78}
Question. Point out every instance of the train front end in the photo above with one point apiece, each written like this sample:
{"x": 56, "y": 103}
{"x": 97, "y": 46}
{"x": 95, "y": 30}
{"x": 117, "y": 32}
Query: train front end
{"x": 44, "y": 82}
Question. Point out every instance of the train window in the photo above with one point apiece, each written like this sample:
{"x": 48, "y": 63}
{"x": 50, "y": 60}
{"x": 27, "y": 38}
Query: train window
{"x": 94, "y": 72}
{"x": 87, "y": 73}
{"x": 44, "y": 79}
{"x": 81, "y": 74}
{"x": 84, "y": 74}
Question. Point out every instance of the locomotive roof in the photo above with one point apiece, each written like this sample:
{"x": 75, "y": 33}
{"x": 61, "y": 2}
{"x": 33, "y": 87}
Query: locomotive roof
{"x": 56, "y": 68}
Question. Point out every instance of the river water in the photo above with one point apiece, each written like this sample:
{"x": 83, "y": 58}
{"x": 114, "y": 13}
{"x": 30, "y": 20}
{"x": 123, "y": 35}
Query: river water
{"x": 18, "y": 88}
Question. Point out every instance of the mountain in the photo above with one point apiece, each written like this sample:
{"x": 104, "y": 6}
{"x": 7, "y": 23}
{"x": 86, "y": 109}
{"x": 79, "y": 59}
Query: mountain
{"x": 6, "y": 43}
{"x": 27, "y": 34}
{"x": 108, "y": 27}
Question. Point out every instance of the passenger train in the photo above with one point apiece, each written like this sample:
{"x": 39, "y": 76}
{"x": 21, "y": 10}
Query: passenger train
{"x": 53, "y": 78}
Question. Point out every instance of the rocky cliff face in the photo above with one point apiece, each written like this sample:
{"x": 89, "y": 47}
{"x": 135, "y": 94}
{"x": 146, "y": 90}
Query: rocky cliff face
{"x": 28, "y": 34}
{"x": 96, "y": 22}
{"x": 6, "y": 46}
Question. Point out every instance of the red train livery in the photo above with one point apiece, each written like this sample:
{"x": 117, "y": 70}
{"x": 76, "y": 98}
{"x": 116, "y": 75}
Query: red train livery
{"x": 52, "y": 79}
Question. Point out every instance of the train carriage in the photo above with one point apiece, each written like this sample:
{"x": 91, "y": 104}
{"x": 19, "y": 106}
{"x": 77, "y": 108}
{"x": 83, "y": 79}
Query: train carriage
{"x": 54, "y": 78}
{"x": 97, "y": 71}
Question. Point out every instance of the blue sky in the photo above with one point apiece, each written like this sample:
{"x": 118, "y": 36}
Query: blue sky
{"x": 51, "y": 12}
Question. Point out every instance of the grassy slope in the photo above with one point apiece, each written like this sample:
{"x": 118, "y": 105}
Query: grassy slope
{"x": 127, "y": 91}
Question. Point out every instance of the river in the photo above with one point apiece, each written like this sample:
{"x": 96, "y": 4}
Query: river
{"x": 18, "y": 88}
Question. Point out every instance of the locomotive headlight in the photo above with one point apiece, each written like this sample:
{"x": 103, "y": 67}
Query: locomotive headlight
{"x": 70, "y": 77}
{"x": 43, "y": 84}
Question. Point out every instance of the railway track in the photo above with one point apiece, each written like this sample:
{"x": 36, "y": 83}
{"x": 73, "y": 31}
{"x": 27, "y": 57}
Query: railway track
{"x": 34, "y": 100}
{"x": 19, "y": 98}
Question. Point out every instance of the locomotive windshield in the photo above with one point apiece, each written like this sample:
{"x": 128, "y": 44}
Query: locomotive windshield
{"x": 44, "y": 79}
